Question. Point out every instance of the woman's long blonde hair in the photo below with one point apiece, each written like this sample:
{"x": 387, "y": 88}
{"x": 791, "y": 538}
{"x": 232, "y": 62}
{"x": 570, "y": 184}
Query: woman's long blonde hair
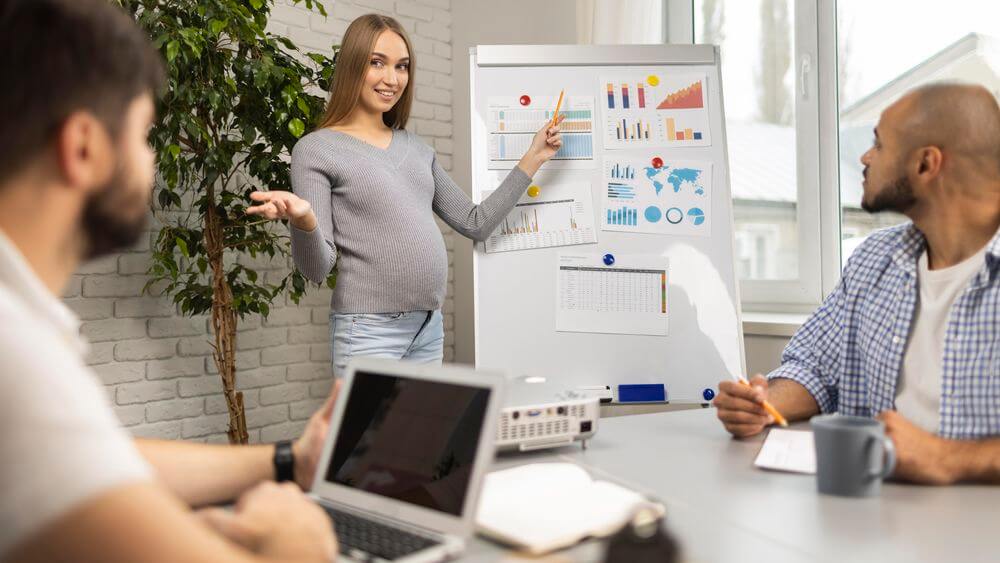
{"x": 352, "y": 66}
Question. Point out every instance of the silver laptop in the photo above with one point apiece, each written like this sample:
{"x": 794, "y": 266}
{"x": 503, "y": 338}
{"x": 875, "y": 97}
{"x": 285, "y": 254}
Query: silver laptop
{"x": 404, "y": 460}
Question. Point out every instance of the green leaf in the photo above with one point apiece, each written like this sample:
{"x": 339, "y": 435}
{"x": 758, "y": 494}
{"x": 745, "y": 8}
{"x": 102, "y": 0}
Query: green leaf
{"x": 296, "y": 127}
{"x": 182, "y": 244}
{"x": 256, "y": 4}
{"x": 174, "y": 150}
{"x": 288, "y": 95}
{"x": 216, "y": 26}
{"x": 172, "y": 48}
{"x": 303, "y": 106}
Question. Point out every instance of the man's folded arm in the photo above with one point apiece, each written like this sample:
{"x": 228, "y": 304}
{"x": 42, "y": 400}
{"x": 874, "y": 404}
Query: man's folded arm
{"x": 203, "y": 474}
{"x": 133, "y": 523}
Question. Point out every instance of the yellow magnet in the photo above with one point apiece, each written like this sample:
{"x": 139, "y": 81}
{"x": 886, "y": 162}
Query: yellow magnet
{"x": 653, "y": 80}
{"x": 533, "y": 191}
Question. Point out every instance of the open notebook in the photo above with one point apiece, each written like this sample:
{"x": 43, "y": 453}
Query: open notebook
{"x": 546, "y": 506}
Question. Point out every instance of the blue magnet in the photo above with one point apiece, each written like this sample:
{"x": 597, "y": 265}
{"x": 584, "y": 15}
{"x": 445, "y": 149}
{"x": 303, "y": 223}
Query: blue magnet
{"x": 708, "y": 394}
{"x": 609, "y": 259}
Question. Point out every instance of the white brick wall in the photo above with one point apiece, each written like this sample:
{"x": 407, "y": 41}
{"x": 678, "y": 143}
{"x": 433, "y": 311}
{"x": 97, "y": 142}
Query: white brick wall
{"x": 157, "y": 365}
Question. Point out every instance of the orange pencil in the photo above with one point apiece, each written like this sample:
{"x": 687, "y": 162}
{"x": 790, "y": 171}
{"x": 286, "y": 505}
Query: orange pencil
{"x": 769, "y": 408}
{"x": 555, "y": 116}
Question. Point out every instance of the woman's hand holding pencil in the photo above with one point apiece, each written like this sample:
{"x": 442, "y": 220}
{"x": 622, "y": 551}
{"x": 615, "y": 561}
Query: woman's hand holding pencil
{"x": 544, "y": 145}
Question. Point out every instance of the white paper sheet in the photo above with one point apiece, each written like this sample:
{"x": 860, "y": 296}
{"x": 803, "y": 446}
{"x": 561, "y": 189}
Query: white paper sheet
{"x": 512, "y": 124}
{"x": 672, "y": 197}
{"x": 549, "y": 214}
{"x": 788, "y": 450}
{"x": 655, "y": 110}
{"x": 626, "y": 297}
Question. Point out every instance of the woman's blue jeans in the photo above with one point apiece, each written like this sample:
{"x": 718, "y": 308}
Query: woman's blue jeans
{"x": 416, "y": 336}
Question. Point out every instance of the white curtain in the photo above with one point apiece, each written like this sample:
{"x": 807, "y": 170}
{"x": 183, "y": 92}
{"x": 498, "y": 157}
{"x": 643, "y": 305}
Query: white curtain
{"x": 610, "y": 22}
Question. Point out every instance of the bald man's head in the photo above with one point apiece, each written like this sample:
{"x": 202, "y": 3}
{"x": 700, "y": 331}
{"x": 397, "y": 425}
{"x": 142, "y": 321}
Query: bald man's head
{"x": 962, "y": 120}
{"x": 937, "y": 135}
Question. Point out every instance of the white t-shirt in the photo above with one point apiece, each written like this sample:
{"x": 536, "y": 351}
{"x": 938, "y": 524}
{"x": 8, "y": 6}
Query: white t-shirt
{"x": 60, "y": 442}
{"x": 918, "y": 394}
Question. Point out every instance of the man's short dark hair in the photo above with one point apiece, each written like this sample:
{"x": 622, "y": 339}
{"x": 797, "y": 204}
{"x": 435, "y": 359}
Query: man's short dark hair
{"x": 62, "y": 56}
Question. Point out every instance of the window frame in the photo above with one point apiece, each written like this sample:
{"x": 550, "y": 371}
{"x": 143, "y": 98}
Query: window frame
{"x": 817, "y": 156}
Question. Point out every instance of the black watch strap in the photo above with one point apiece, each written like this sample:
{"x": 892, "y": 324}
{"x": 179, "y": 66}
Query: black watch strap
{"x": 284, "y": 461}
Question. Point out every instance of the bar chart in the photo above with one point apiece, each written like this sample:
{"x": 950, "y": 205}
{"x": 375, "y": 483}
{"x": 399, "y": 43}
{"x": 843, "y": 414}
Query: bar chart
{"x": 628, "y": 97}
{"x": 681, "y": 134}
{"x": 621, "y": 191}
{"x": 623, "y": 216}
{"x": 622, "y": 172}
{"x": 560, "y": 215}
{"x": 632, "y": 129}
{"x": 524, "y": 223}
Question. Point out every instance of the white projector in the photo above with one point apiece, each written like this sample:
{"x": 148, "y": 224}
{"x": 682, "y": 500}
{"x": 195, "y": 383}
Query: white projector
{"x": 538, "y": 415}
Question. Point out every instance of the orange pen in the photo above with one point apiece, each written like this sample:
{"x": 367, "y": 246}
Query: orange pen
{"x": 769, "y": 408}
{"x": 555, "y": 116}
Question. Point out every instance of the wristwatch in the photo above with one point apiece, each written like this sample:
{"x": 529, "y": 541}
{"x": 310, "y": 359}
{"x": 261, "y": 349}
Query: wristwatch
{"x": 284, "y": 461}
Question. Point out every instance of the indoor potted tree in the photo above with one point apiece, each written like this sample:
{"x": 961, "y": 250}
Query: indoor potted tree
{"x": 236, "y": 101}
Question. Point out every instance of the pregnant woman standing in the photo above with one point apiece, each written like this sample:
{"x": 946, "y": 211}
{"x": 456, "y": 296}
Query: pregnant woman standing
{"x": 365, "y": 193}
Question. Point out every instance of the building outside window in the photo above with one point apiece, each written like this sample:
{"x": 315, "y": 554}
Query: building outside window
{"x": 883, "y": 49}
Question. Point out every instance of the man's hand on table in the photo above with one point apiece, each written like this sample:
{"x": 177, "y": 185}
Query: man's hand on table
{"x": 741, "y": 408}
{"x": 921, "y": 457}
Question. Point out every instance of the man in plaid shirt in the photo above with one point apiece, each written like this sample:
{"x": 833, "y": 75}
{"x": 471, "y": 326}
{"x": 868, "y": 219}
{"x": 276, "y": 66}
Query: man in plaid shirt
{"x": 911, "y": 334}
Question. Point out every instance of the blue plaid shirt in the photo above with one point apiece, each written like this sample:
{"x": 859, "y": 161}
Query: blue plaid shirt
{"x": 849, "y": 354}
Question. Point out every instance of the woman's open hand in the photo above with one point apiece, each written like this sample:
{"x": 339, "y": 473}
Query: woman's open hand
{"x": 282, "y": 205}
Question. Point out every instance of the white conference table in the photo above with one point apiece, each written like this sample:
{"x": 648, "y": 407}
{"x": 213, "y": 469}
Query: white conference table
{"x": 721, "y": 508}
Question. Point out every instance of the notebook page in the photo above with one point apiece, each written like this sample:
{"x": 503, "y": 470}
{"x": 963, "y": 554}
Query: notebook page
{"x": 788, "y": 450}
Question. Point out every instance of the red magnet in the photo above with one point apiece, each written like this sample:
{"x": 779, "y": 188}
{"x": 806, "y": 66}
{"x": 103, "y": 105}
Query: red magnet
{"x": 525, "y": 100}
{"x": 657, "y": 162}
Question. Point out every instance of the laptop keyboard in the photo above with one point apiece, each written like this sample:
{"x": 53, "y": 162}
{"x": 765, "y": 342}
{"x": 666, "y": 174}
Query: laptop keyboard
{"x": 355, "y": 533}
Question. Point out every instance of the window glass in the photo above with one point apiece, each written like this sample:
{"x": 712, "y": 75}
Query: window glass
{"x": 757, "y": 41}
{"x": 887, "y": 48}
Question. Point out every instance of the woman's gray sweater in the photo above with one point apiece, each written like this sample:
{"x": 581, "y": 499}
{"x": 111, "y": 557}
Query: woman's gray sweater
{"x": 376, "y": 208}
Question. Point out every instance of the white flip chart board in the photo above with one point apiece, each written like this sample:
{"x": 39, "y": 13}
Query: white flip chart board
{"x": 616, "y": 268}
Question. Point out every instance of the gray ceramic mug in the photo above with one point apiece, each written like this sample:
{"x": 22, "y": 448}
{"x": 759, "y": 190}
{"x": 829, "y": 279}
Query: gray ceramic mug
{"x": 853, "y": 455}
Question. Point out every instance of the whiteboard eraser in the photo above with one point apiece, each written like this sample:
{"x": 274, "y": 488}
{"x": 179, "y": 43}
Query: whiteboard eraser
{"x": 642, "y": 393}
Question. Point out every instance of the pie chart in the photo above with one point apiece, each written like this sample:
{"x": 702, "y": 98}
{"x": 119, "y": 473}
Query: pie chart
{"x": 696, "y": 215}
{"x": 653, "y": 214}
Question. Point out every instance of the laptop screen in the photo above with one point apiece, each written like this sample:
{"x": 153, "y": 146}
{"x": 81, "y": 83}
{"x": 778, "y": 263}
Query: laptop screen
{"x": 409, "y": 439}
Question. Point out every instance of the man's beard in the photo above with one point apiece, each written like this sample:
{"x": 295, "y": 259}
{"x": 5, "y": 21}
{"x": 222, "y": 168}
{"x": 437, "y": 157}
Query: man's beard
{"x": 896, "y": 196}
{"x": 107, "y": 222}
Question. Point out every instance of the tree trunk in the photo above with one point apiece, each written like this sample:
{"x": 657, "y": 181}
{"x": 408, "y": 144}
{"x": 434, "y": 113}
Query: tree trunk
{"x": 224, "y": 326}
